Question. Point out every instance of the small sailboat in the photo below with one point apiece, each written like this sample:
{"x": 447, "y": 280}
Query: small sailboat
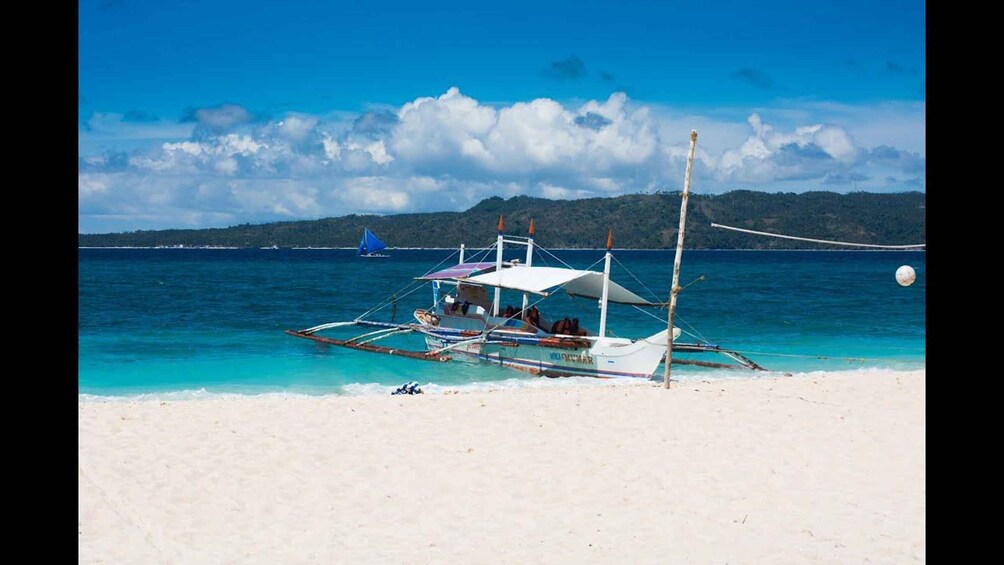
{"x": 370, "y": 246}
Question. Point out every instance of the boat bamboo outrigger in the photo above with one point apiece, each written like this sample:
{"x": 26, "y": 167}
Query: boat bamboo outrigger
{"x": 468, "y": 321}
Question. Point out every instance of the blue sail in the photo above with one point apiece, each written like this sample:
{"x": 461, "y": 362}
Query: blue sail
{"x": 369, "y": 243}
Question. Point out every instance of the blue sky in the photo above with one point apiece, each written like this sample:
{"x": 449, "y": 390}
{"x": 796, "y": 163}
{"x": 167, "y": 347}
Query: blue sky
{"x": 212, "y": 113}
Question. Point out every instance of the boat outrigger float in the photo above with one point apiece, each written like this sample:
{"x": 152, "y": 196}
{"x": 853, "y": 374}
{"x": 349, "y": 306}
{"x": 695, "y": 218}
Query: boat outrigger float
{"x": 467, "y": 321}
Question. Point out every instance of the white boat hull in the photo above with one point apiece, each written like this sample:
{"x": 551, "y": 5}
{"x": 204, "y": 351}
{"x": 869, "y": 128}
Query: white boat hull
{"x": 548, "y": 355}
{"x": 552, "y": 363}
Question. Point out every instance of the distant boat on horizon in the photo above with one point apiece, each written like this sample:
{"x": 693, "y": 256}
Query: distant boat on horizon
{"x": 370, "y": 246}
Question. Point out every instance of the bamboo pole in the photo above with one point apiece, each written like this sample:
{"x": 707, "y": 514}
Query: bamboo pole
{"x": 529, "y": 263}
{"x": 498, "y": 269}
{"x": 606, "y": 286}
{"x": 675, "y": 288}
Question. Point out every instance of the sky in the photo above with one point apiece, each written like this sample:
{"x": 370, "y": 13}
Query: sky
{"x": 214, "y": 113}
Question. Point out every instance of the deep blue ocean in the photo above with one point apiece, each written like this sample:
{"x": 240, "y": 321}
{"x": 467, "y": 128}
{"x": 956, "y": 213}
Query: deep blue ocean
{"x": 191, "y": 322}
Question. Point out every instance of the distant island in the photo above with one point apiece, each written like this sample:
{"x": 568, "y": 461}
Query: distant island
{"x": 639, "y": 221}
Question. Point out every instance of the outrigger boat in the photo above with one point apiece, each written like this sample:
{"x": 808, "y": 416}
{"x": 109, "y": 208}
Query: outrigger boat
{"x": 467, "y": 322}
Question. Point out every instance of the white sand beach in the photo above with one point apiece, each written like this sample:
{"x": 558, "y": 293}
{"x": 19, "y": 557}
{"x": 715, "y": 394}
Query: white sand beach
{"x": 808, "y": 469}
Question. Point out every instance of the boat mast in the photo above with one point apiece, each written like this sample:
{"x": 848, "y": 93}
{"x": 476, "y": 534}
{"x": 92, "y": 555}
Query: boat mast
{"x": 498, "y": 269}
{"x": 461, "y": 253}
{"x": 606, "y": 286}
{"x": 675, "y": 289}
{"x": 529, "y": 263}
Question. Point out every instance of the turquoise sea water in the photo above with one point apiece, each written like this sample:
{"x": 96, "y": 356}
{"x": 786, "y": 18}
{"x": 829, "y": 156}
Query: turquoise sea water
{"x": 177, "y": 322}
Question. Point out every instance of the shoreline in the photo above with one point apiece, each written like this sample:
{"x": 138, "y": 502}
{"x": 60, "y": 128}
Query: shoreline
{"x": 209, "y": 247}
{"x": 514, "y": 383}
{"x": 826, "y": 468}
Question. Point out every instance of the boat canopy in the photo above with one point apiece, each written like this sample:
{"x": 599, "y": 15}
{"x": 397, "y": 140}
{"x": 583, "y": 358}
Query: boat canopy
{"x": 461, "y": 271}
{"x": 588, "y": 284}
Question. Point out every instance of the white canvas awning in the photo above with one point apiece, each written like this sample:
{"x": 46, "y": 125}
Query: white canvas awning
{"x": 538, "y": 280}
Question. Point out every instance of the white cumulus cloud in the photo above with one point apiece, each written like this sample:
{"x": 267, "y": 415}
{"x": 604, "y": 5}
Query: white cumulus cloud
{"x": 450, "y": 151}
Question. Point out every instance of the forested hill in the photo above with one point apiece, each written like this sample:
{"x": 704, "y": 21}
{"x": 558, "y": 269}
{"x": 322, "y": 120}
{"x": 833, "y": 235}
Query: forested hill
{"x": 638, "y": 221}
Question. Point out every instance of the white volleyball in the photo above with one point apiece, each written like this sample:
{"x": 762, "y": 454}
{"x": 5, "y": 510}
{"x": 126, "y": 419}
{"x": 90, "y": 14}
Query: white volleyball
{"x": 905, "y": 275}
